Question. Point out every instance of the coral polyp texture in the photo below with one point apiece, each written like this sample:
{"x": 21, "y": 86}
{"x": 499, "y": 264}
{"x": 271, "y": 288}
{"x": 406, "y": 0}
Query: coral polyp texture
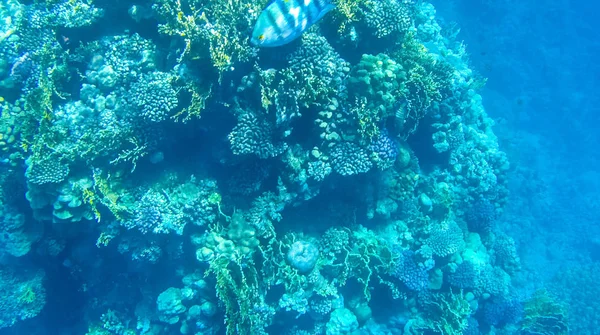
{"x": 166, "y": 176}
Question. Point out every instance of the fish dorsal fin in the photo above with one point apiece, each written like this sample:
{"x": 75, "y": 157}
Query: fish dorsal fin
{"x": 269, "y": 3}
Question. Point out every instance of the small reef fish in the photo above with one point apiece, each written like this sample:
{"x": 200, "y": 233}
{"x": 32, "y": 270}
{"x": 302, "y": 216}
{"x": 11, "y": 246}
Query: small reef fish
{"x": 282, "y": 21}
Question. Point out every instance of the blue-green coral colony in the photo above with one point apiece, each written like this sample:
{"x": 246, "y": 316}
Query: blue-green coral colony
{"x": 179, "y": 180}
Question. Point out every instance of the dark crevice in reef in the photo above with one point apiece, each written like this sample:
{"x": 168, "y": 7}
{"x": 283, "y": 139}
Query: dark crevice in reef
{"x": 421, "y": 142}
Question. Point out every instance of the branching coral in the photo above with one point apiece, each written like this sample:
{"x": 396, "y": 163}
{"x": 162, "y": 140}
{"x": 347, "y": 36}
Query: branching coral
{"x": 385, "y": 151}
{"x": 448, "y": 313}
{"x": 320, "y": 67}
{"x": 387, "y": 18}
{"x": 543, "y": 315}
{"x": 216, "y": 30}
{"x": 481, "y": 215}
{"x": 378, "y": 78}
{"x": 409, "y": 272}
{"x": 314, "y": 76}
{"x": 348, "y": 159}
{"x": 465, "y": 276}
{"x": 254, "y": 135}
{"x": 48, "y": 170}
{"x": 170, "y": 209}
{"x": 446, "y": 239}
{"x": 360, "y": 21}
{"x": 155, "y": 96}
{"x": 238, "y": 282}
{"x": 427, "y": 81}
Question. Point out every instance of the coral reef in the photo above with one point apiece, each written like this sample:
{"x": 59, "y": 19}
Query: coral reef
{"x": 23, "y": 294}
{"x": 185, "y": 181}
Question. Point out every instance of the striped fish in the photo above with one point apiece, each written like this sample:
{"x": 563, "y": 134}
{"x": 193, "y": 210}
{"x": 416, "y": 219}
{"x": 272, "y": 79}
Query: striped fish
{"x": 282, "y": 21}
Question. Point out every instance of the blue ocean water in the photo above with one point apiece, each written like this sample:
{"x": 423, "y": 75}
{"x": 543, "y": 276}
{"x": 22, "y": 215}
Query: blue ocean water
{"x": 401, "y": 167}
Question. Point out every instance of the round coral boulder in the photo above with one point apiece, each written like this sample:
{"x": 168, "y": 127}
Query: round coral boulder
{"x": 303, "y": 256}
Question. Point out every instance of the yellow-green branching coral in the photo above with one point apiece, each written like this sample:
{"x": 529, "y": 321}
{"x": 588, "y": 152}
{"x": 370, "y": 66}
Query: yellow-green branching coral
{"x": 216, "y": 30}
{"x": 543, "y": 315}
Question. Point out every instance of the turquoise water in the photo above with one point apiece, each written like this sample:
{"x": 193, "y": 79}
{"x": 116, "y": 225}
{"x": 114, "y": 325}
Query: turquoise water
{"x": 401, "y": 167}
